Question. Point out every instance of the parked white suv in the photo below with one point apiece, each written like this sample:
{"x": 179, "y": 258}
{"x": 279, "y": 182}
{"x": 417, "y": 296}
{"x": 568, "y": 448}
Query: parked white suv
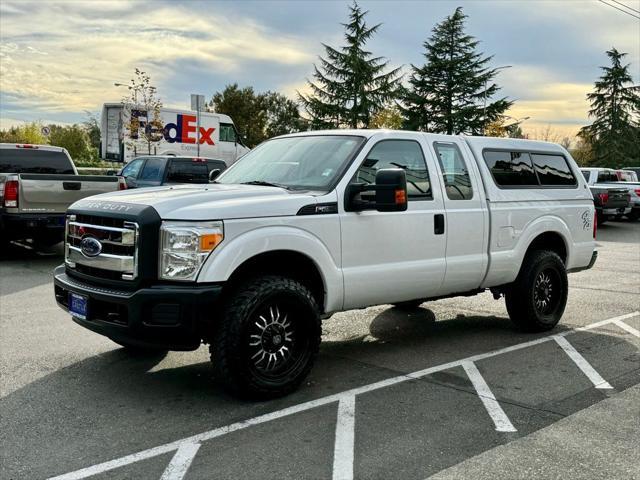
{"x": 310, "y": 224}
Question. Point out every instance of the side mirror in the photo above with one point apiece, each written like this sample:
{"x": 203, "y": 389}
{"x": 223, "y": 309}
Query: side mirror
{"x": 213, "y": 174}
{"x": 390, "y": 193}
{"x": 391, "y": 190}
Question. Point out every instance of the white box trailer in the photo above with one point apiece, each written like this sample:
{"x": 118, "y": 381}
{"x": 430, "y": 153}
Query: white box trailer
{"x": 178, "y": 132}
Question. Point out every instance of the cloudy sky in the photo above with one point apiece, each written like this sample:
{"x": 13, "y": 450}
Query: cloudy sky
{"x": 59, "y": 59}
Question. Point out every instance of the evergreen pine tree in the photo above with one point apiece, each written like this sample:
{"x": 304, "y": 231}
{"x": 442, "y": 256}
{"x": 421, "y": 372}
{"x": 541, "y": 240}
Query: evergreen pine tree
{"x": 351, "y": 85}
{"x": 448, "y": 93}
{"x": 615, "y": 105}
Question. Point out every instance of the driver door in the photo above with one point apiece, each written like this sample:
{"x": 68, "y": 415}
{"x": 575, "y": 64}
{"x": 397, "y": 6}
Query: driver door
{"x": 394, "y": 256}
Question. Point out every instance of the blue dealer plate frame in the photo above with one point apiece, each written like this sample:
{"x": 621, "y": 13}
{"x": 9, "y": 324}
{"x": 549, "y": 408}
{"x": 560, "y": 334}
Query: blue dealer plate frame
{"x": 78, "y": 305}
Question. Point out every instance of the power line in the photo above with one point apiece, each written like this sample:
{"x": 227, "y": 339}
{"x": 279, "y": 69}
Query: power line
{"x": 619, "y": 9}
{"x": 626, "y": 6}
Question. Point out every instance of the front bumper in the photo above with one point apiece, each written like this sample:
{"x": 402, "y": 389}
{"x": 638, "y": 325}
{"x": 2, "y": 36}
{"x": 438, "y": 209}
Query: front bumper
{"x": 161, "y": 316}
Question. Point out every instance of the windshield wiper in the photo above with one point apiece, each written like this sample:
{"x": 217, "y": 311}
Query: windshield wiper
{"x": 265, "y": 184}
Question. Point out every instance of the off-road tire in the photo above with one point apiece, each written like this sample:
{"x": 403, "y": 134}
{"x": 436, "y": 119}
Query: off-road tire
{"x": 522, "y": 300}
{"x": 409, "y": 305}
{"x": 233, "y": 345}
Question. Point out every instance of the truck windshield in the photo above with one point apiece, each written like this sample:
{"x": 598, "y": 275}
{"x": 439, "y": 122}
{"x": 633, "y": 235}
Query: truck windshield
{"x": 307, "y": 162}
{"x": 31, "y": 160}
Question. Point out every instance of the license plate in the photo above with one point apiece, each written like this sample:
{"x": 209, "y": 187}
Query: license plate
{"x": 78, "y": 305}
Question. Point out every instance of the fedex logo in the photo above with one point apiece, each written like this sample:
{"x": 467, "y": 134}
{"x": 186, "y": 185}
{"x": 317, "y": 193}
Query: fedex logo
{"x": 183, "y": 131}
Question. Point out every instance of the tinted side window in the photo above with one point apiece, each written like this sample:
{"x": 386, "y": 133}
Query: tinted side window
{"x": 133, "y": 168}
{"x": 404, "y": 154}
{"x": 152, "y": 171}
{"x": 187, "y": 171}
{"x": 511, "y": 168}
{"x": 454, "y": 171}
{"x": 586, "y": 174}
{"x": 605, "y": 176}
{"x": 553, "y": 169}
{"x": 227, "y": 133}
{"x": 31, "y": 160}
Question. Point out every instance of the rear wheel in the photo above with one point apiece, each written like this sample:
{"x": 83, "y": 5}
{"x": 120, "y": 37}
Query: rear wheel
{"x": 602, "y": 218}
{"x": 268, "y": 339}
{"x": 537, "y": 299}
{"x": 634, "y": 215}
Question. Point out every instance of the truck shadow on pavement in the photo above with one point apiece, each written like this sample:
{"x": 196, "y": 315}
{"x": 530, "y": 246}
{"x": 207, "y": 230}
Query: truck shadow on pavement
{"x": 113, "y": 404}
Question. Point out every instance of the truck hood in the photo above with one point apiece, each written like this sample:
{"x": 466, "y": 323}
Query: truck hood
{"x": 205, "y": 202}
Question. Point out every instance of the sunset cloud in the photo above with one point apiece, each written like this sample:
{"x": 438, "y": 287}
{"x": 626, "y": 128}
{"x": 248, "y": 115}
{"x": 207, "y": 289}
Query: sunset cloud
{"x": 59, "y": 59}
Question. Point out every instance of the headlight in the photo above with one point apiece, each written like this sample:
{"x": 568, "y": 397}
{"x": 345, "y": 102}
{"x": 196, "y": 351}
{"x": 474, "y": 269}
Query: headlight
{"x": 184, "y": 246}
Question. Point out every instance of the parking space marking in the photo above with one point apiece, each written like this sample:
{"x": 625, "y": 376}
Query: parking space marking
{"x": 628, "y": 328}
{"x": 177, "y": 468}
{"x": 345, "y": 436}
{"x": 495, "y": 411}
{"x": 582, "y": 364}
{"x": 220, "y": 431}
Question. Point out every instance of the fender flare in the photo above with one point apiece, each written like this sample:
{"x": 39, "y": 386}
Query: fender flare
{"x": 539, "y": 226}
{"x": 222, "y": 263}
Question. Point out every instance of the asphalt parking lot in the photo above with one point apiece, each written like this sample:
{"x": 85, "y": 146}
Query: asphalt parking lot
{"x": 450, "y": 390}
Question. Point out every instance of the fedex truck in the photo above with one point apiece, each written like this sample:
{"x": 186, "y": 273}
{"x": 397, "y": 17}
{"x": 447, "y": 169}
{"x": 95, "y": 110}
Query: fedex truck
{"x": 130, "y": 132}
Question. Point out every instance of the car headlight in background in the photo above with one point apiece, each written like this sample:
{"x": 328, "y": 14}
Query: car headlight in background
{"x": 184, "y": 246}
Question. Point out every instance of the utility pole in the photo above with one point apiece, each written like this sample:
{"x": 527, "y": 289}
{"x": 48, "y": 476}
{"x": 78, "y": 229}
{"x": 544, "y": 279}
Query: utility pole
{"x": 196, "y": 104}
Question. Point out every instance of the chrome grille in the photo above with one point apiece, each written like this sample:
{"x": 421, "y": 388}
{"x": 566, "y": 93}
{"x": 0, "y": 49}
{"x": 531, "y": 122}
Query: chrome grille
{"x": 118, "y": 256}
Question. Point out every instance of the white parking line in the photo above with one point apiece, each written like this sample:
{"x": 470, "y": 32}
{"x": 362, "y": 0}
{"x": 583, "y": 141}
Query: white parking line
{"x": 582, "y": 363}
{"x": 495, "y": 411}
{"x": 628, "y": 328}
{"x": 217, "y": 432}
{"x": 345, "y": 433}
{"x": 177, "y": 468}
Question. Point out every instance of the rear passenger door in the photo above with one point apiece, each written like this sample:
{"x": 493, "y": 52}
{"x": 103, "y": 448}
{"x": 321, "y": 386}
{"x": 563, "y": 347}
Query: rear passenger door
{"x": 466, "y": 217}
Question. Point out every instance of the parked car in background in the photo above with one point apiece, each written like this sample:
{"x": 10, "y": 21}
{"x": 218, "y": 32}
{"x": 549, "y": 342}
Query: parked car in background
{"x": 175, "y": 133}
{"x": 156, "y": 171}
{"x": 609, "y": 202}
{"x": 635, "y": 170}
{"x": 607, "y": 178}
{"x": 37, "y": 185}
{"x": 310, "y": 224}
{"x": 626, "y": 176}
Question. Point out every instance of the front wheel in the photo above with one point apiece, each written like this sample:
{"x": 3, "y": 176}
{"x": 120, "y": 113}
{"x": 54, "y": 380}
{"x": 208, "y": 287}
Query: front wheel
{"x": 536, "y": 300}
{"x": 268, "y": 339}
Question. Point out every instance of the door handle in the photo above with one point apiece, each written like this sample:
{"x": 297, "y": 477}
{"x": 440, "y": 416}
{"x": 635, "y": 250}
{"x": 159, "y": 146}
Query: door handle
{"x": 438, "y": 223}
{"x": 71, "y": 185}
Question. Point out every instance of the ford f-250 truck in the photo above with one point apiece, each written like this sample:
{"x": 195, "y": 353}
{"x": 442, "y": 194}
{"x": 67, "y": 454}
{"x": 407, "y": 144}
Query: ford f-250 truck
{"x": 37, "y": 185}
{"x": 310, "y": 224}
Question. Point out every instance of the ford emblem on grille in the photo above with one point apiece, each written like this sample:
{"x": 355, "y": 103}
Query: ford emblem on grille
{"x": 90, "y": 247}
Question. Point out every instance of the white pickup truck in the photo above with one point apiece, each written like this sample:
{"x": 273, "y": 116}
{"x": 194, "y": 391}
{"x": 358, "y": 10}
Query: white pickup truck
{"x": 310, "y": 224}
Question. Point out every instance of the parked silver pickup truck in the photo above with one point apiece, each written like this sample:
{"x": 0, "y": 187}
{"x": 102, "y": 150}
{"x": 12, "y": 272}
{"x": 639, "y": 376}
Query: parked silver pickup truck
{"x": 37, "y": 185}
